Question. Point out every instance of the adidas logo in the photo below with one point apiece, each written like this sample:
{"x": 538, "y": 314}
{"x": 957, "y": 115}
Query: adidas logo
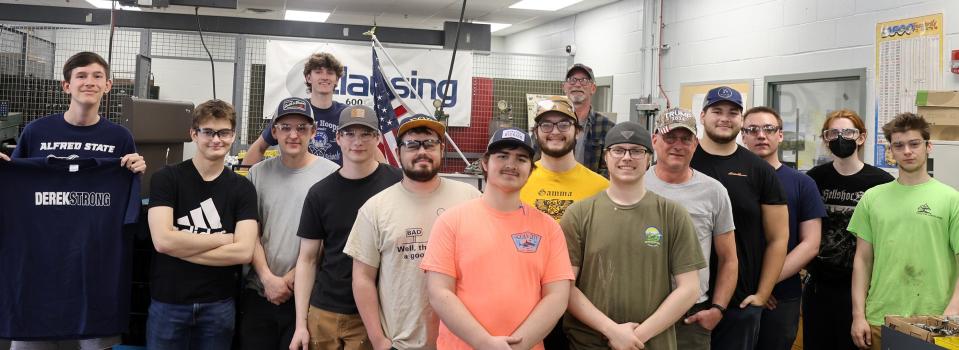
{"x": 205, "y": 219}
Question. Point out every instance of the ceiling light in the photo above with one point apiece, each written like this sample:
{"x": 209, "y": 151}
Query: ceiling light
{"x": 543, "y": 5}
{"x": 107, "y": 4}
{"x": 495, "y": 26}
{"x": 306, "y": 16}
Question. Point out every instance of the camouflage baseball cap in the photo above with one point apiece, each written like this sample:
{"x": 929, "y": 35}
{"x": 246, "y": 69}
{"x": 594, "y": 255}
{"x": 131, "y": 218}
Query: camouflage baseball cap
{"x": 559, "y": 104}
{"x": 673, "y": 118}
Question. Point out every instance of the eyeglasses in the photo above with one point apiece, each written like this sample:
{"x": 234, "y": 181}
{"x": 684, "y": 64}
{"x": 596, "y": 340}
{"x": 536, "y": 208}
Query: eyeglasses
{"x": 224, "y": 134}
{"x": 300, "y": 128}
{"x": 768, "y": 129}
{"x": 846, "y": 133}
{"x": 634, "y": 153}
{"x": 414, "y": 145}
{"x": 574, "y": 80}
{"x": 547, "y": 127}
{"x": 363, "y": 135}
{"x": 913, "y": 145}
{"x": 671, "y": 139}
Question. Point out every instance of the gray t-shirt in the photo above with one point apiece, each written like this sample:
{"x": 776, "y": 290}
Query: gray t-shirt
{"x": 280, "y": 192}
{"x": 708, "y": 204}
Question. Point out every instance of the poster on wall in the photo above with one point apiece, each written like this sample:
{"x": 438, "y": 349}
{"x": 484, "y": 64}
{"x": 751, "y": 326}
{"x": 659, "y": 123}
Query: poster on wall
{"x": 691, "y": 96}
{"x": 426, "y": 70}
{"x": 908, "y": 59}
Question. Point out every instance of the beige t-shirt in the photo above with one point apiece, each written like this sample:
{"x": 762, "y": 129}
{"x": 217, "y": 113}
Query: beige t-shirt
{"x": 627, "y": 257}
{"x": 390, "y": 232}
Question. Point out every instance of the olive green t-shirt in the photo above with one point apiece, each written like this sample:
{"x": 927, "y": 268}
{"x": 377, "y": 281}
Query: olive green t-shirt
{"x": 627, "y": 256}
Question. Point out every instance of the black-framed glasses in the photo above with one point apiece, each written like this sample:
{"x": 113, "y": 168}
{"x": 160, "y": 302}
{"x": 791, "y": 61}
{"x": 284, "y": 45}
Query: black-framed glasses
{"x": 415, "y": 145}
{"x": 913, "y": 145}
{"x": 547, "y": 127}
{"x": 575, "y": 80}
{"x": 767, "y": 129}
{"x": 287, "y": 128}
{"x": 223, "y": 134}
{"x": 846, "y": 133}
{"x": 634, "y": 153}
{"x": 363, "y": 135}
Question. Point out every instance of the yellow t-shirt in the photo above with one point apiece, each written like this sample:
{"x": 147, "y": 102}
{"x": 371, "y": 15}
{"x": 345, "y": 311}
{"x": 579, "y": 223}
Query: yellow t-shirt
{"x": 553, "y": 192}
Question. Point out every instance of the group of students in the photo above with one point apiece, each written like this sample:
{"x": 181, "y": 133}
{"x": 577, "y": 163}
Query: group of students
{"x": 577, "y": 241}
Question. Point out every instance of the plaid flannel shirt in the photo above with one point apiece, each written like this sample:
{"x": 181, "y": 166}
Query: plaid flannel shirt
{"x": 597, "y": 125}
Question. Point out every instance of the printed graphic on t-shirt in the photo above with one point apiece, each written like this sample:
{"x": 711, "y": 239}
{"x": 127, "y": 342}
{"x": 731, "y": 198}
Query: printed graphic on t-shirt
{"x": 410, "y": 246}
{"x": 204, "y": 219}
{"x": 324, "y": 141}
{"x": 526, "y": 242}
{"x": 924, "y": 209}
{"x": 654, "y": 238}
{"x": 77, "y": 146}
{"x": 554, "y": 207}
{"x": 80, "y": 199}
{"x": 838, "y": 245}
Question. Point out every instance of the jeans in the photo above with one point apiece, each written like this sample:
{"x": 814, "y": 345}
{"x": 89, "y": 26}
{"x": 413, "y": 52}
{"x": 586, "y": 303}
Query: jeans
{"x": 191, "y": 326}
{"x": 739, "y": 329}
{"x": 827, "y": 314}
{"x": 778, "y": 327}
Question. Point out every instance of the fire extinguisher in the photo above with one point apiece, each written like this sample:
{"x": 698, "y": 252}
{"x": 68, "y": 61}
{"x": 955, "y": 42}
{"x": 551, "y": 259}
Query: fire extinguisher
{"x": 955, "y": 62}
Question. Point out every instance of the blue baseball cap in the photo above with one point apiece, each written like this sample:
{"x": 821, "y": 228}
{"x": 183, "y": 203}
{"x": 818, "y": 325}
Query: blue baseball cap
{"x": 511, "y": 136}
{"x": 294, "y": 105}
{"x": 723, "y": 93}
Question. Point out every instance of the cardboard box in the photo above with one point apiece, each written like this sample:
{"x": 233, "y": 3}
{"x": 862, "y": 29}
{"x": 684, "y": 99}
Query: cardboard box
{"x": 941, "y": 109}
{"x": 907, "y": 325}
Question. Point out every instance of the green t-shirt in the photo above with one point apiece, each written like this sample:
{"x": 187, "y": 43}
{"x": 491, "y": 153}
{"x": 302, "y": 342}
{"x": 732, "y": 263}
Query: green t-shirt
{"x": 914, "y": 232}
{"x": 627, "y": 256}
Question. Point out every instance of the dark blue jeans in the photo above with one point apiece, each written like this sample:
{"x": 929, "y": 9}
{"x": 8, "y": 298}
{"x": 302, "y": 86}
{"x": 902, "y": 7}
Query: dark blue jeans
{"x": 739, "y": 329}
{"x": 778, "y": 327}
{"x": 206, "y": 326}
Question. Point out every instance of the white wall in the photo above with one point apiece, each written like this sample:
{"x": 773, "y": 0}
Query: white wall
{"x": 749, "y": 39}
{"x": 607, "y": 38}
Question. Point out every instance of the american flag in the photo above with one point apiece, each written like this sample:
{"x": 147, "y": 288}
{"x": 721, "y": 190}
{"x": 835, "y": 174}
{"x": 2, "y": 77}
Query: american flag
{"x": 389, "y": 109}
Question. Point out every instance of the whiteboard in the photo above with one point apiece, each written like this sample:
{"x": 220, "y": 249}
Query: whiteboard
{"x": 190, "y": 80}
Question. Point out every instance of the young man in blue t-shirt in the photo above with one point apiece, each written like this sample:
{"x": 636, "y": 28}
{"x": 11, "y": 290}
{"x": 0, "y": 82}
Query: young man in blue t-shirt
{"x": 762, "y": 133}
{"x": 321, "y": 72}
{"x": 80, "y": 131}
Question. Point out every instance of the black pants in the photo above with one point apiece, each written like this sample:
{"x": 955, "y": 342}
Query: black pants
{"x": 556, "y": 339}
{"x": 264, "y": 325}
{"x": 739, "y": 329}
{"x": 778, "y": 327}
{"x": 827, "y": 315}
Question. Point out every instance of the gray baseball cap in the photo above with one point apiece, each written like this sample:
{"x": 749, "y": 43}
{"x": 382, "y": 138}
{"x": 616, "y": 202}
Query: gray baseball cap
{"x": 359, "y": 115}
{"x": 629, "y": 132}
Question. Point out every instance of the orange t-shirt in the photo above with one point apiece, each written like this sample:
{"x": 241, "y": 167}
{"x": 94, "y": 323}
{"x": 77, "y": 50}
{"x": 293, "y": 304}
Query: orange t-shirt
{"x": 500, "y": 260}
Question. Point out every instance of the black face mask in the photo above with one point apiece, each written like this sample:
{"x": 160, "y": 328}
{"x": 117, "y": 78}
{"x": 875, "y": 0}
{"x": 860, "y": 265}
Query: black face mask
{"x": 842, "y": 148}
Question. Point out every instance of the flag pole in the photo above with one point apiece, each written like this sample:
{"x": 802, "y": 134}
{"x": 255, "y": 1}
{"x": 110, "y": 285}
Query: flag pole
{"x": 412, "y": 89}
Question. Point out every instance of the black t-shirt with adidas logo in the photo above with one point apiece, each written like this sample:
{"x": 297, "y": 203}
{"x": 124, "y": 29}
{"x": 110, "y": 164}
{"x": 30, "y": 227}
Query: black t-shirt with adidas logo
{"x": 199, "y": 207}
{"x": 750, "y": 182}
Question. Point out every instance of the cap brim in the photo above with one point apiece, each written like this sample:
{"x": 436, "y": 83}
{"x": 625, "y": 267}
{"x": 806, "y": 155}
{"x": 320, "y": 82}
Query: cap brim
{"x": 294, "y": 113}
{"x": 434, "y": 125}
{"x": 672, "y": 127}
{"x": 351, "y": 123}
{"x": 725, "y": 100}
{"x": 510, "y": 141}
{"x": 540, "y": 116}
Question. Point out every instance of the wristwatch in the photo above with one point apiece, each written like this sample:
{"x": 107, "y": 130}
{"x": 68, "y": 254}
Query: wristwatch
{"x": 722, "y": 310}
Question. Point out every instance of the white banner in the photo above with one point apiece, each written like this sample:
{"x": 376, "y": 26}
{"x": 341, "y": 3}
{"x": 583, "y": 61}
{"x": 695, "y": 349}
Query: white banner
{"x": 426, "y": 69}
